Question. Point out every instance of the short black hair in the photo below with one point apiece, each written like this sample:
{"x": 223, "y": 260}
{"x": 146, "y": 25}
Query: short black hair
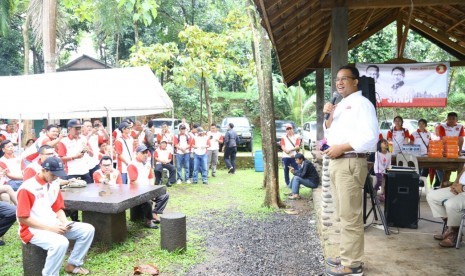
{"x": 373, "y": 66}
{"x": 4, "y": 143}
{"x": 231, "y": 125}
{"x": 299, "y": 156}
{"x": 43, "y": 148}
{"x": 353, "y": 70}
{"x": 423, "y": 120}
{"x": 49, "y": 127}
{"x": 398, "y": 68}
{"x": 452, "y": 114}
{"x": 378, "y": 145}
{"x": 401, "y": 119}
{"x": 150, "y": 124}
{"x": 105, "y": 157}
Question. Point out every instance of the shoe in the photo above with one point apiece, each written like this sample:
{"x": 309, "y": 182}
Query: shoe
{"x": 2, "y": 243}
{"x": 451, "y": 239}
{"x": 188, "y": 181}
{"x": 151, "y": 225}
{"x": 156, "y": 221}
{"x": 169, "y": 184}
{"x": 344, "y": 270}
{"x": 71, "y": 269}
{"x": 195, "y": 182}
{"x": 213, "y": 174}
{"x": 230, "y": 170}
{"x": 333, "y": 262}
{"x": 294, "y": 197}
{"x": 179, "y": 181}
{"x": 442, "y": 236}
{"x": 205, "y": 182}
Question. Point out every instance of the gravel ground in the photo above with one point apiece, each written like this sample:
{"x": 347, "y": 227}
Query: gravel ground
{"x": 281, "y": 244}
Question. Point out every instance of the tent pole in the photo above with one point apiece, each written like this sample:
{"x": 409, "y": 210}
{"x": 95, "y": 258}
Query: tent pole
{"x": 110, "y": 134}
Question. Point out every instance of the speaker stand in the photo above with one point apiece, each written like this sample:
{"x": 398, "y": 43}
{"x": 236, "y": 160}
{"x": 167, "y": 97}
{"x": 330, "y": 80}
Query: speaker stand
{"x": 368, "y": 189}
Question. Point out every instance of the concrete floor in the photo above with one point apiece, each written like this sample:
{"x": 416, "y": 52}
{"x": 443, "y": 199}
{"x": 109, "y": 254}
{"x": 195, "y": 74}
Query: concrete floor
{"x": 403, "y": 252}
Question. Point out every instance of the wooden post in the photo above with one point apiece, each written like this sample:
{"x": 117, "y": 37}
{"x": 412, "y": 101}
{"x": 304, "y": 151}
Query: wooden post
{"x": 339, "y": 39}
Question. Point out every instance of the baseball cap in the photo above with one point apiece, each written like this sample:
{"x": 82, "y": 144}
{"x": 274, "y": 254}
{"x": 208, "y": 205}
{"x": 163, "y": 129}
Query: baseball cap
{"x": 123, "y": 124}
{"x": 55, "y": 166}
{"x": 141, "y": 148}
{"x": 74, "y": 123}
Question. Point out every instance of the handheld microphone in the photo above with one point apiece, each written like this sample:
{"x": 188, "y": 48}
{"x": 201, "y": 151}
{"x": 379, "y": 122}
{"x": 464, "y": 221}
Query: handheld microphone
{"x": 333, "y": 101}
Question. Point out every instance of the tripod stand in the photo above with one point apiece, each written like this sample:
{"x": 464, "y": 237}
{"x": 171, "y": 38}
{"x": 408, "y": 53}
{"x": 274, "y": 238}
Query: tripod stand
{"x": 368, "y": 189}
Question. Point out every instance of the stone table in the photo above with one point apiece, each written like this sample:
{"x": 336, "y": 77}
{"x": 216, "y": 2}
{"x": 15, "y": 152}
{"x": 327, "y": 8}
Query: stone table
{"x": 104, "y": 206}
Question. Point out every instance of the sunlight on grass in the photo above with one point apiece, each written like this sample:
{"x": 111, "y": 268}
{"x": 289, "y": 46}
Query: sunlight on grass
{"x": 242, "y": 192}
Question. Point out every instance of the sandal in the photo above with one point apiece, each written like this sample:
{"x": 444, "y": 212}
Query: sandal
{"x": 69, "y": 268}
{"x": 294, "y": 197}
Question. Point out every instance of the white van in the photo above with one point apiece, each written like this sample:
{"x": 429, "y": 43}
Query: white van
{"x": 309, "y": 133}
{"x": 172, "y": 124}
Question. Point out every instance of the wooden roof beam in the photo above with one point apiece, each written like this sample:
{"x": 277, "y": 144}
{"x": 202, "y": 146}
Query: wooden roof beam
{"x": 455, "y": 25}
{"x": 326, "y": 47}
{"x": 378, "y": 4}
{"x": 365, "y": 23}
{"x": 439, "y": 36}
{"x": 377, "y": 26}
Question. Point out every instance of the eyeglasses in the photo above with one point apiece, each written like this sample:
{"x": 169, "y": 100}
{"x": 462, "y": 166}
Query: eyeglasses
{"x": 343, "y": 79}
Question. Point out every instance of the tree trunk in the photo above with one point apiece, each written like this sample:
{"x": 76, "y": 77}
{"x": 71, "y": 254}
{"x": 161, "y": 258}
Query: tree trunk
{"x": 26, "y": 44}
{"x": 49, "y": 12}
{"x": 262, "y": 56}
{"x": 201, "y": 102}
{"x": 207, "y": 102}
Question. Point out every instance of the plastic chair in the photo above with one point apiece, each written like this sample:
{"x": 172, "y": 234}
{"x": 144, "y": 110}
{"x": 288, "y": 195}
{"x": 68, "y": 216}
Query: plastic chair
{"x": 410, "y": 160}
{"x": 459, "y": 237}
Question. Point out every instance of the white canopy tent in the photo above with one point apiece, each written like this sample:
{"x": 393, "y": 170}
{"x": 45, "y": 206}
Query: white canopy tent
{"x": 83, "y": 94}
{"x": 107, "y": 93}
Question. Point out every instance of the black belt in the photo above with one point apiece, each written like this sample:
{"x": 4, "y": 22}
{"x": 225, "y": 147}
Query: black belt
{"x": 352, "y": 155}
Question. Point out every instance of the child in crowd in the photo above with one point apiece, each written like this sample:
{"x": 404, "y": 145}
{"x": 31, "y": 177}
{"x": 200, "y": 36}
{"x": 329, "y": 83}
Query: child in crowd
{"x": 398, "y": 135}
{"x": 382, "y": 162}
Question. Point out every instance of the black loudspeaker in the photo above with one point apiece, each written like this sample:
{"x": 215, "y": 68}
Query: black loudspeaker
{"x": 367, "y": 85}
{"x": 401, "y": 199}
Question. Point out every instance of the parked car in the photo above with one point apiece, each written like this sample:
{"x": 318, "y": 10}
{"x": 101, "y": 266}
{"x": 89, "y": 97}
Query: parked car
{"x": 410, "y": 124}
{"x": 243, "y": 128}
{"x": 309, "y": 133}
{"x": 281, "y": 130}
{"x": 172, "y": 124}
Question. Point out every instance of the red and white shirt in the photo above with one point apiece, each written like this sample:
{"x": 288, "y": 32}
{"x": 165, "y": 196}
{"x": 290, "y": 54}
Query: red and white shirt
{"x": 13, "y": 164}
{"x": 398, "y": 138}
{"x": 93, "y": 160}
{"x": 124, "y": 146}
{"x": 32, "y": 170}
{"x": 115, "y": 177}
{"x": 421, "y": 138}
{"x": 382, "y": 162}
{"x": 39, "y": 200}
{"x": 184, "y": 141}
{"x": 162, "y": 154}
{"x": 449, "y": 131}
{"x": 216, "y": 139}
{"x": 140, "y": 172}
{"x": 69, "y": 147}
{"x": 200, "y": 144}
{"x": 287, "y": 145}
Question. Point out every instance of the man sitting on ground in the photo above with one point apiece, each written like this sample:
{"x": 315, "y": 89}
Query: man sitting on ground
{"x": 305, "y": 175}
{"x": 43, "y": 222}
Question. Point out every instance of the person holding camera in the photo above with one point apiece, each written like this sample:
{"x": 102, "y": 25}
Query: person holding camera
{"x": 290, "y": 144}
{"x": 43, "y": 222}
{"x": 73, "y": 150}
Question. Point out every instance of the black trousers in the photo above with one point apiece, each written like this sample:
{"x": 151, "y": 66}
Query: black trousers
{"x": 7, "y": 217}
{"x": 159, "y": 170}
{"x": 230, "y": 157}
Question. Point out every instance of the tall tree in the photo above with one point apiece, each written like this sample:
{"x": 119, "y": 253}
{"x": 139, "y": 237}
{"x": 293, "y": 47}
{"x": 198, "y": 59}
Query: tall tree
{"x": 262, "y": 56}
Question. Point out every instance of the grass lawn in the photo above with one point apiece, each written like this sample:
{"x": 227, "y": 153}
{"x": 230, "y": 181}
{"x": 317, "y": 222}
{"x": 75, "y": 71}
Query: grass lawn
{"x": 242, "y": 191}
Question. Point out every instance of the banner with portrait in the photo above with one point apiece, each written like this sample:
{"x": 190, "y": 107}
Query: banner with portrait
{"x": 409, "y": 85}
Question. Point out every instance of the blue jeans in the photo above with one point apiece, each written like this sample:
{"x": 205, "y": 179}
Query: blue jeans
{"x": 297, "y": 180}
{"x": 182, "y": 161}
{"x": 124, "y": 178}
{"x": 57, "y": 244}
{"x": 200, "y": 162}
{"x": 7, "y": 217}
{"x": 15, "y": 184}
{"x": 288, "y": 161}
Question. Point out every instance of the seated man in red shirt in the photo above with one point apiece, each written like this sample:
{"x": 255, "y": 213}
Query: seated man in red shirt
{"x": 43, "y": 222}
{"x": 107, "y": 174}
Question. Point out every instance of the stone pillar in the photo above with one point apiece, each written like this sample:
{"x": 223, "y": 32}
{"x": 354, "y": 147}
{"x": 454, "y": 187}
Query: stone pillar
{"x": 33, "y": 259}
{"x": 173, "y": 231}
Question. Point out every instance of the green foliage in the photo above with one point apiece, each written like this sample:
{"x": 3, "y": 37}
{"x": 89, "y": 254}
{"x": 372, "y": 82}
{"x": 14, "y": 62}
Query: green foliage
{"x": 11, "y": 53}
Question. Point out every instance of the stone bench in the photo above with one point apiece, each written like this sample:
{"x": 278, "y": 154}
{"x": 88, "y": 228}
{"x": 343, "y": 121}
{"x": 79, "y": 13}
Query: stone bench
{"x": 33, "y": 259}
{"x": 104, "y": 206}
